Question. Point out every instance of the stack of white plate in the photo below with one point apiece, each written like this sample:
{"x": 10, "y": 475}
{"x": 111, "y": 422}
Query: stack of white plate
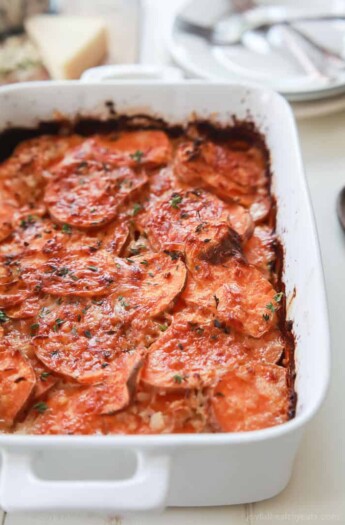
{"x": 263, "y": 57}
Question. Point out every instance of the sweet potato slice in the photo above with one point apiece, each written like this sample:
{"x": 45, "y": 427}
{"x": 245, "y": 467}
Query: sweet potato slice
{"x": 12, "y": 206}
{"x": 250, "y": 397}
{"x": 74, "y": 410}
{"x": 132, "y": 148}
{"x": 30, "y": 231}
{"x": 33, "y": 232}
{"x": 240, "y": 220}
{"x": 7, "y": 217}
{"x": 78, "y": 339}
{"x": 34, "y": 157}
{"x": 18, "y": 277}
{"x": 26, "y": 309}
{"x": 268, "y": 348}
{"x": 17, "y": 381}
{"x": 229, "y": 172}
{"x": 191, "y": 354}
{"x": 259, "y": 250}
{"x": 215, "y": 244}
{"x": 82, "y": 355}
{"x": 120, "y": 382}
{"x": 13, "y": 298}
{"x": 148, "y": 413}
{"x": 84, "y": 410}
{"x": 146, "y": 146}
{"x": 112, "y": 237}
{"x": 184, "y": 214}
{"x": 45, "y": 380}
{"x": 195, "y": 294}
{"x": 23, "y": 175}
{"x": 152, "y": 283}
{"x": 73, "y": 273}
{"x": 245, "y": 299}
{"x": 195, "y": 351}
{"x": 144, "y": 285}
{"x": 86, "y": 340}
{"x": 88, "y": 195}
{"x": 79, "y": 274}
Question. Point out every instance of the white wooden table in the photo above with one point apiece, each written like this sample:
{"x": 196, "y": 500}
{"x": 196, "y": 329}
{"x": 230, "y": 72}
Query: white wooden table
{"x": 316, "y": 493}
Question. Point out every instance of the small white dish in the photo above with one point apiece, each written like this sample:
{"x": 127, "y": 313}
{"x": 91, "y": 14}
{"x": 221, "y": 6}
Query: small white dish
{"x": 131, "y": 72}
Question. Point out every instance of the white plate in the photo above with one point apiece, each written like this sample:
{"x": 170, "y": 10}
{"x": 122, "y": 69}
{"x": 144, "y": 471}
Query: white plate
{"x": 257, "y": 61}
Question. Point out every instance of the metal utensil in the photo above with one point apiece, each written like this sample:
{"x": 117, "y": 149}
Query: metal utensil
{"x": 230, "y": 31}
{"x": 312, "y": 57}
{"x": 341, "y": 207}
{"x": 315, "y": 59}
{"x": 336, "y": 58}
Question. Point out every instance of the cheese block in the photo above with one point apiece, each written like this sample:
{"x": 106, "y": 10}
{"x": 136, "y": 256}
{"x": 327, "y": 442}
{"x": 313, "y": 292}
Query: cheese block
{"x": 68, "y": 44}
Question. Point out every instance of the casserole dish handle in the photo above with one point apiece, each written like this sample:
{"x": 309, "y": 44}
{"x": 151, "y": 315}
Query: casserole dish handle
{"x": 132, "y": 72}
{"x": 22, "y": 490}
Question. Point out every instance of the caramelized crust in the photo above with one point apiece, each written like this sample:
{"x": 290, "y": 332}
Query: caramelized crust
{"x": 138, "y": 287}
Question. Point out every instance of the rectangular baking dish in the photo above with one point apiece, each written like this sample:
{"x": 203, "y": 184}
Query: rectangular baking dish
{"x": 182, "y": 470}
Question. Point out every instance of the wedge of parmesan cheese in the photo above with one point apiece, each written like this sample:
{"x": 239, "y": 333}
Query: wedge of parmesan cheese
{"x": 68, "y": 44}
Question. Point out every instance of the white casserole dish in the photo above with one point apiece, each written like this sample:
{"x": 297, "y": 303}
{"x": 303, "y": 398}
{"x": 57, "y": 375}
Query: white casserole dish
{"x": 182, "y": 470}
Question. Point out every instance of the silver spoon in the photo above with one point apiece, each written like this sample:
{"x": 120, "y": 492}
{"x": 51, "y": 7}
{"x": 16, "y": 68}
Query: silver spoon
{"x": 230, "y": 32}
{"x": 341, "y": 207}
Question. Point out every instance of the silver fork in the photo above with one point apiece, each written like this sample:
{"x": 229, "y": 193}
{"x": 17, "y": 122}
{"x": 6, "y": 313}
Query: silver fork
{"x": 315, "y": 59}
{"x": 245, "y": 15}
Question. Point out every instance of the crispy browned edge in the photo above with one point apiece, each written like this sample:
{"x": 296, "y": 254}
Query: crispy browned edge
{"x": 237, "y": 129}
